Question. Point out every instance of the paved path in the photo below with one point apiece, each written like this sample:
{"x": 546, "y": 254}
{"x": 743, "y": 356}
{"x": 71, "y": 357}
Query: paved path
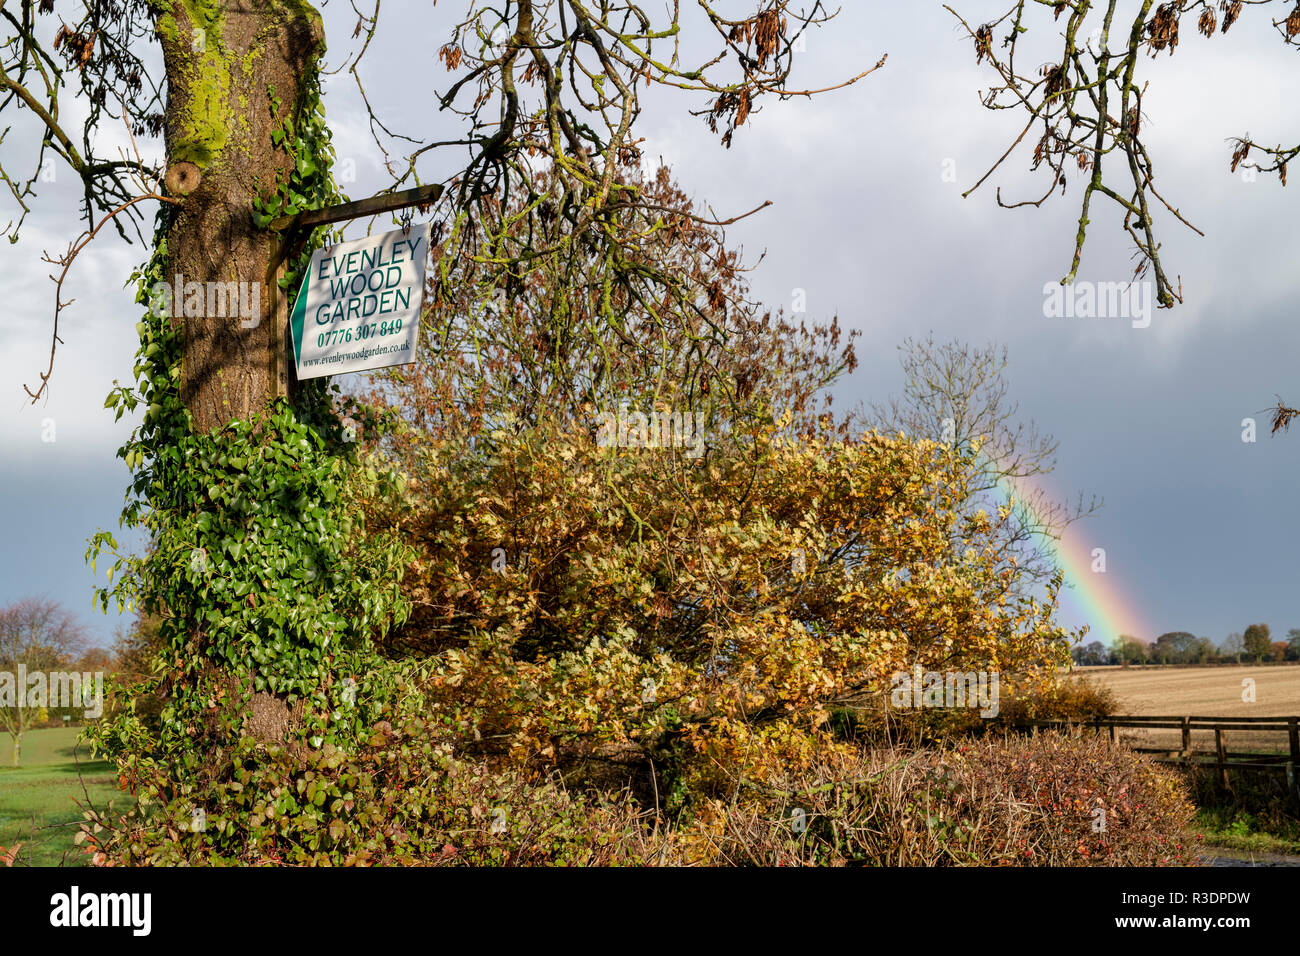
{"x": 1224, "y": 858}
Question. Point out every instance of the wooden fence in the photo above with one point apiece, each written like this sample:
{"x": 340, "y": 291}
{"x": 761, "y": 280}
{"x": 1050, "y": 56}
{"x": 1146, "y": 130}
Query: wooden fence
{"x": 1221, "y": 759}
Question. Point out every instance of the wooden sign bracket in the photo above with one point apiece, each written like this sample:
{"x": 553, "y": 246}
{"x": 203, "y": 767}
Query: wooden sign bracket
{"x": 296, "y": 229}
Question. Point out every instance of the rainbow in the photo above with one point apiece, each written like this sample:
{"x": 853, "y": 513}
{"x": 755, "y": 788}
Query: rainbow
{"x": 1089, "y": 597}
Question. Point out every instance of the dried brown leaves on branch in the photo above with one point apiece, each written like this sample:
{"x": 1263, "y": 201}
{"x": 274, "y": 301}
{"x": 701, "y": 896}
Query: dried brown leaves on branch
{"x": 534, "y": 88}
{"x": 548, "y": 94}
{"x": 1087, "y": 102}
{"x": 1282, "y": 416}
{"x": 94, "y": 58}
{"x": 539, "y": 347}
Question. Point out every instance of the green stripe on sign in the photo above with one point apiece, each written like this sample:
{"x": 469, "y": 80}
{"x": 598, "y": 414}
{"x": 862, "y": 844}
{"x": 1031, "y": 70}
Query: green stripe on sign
{"x": 299, "y": 314}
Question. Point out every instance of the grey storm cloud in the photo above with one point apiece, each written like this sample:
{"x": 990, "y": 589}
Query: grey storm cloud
{"x": 867, "y": 219}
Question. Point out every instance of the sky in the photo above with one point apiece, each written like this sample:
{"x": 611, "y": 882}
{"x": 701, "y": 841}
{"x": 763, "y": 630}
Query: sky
{"x": 867, "y": 219}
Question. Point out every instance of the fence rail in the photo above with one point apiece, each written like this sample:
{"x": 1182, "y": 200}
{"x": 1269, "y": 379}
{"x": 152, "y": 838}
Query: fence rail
{"x": 1222, "y": 759}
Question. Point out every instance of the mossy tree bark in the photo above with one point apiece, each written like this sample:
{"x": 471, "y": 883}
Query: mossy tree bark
{"x": 235, "y": 74}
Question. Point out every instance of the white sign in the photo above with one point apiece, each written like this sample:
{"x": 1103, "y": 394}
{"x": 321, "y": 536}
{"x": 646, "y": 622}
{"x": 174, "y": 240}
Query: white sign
{"x": 359, "y": 304}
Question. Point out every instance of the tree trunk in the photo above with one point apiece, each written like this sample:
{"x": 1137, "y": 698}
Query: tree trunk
{"x": 18, "y": 747}
{"x": 235, "y": 74}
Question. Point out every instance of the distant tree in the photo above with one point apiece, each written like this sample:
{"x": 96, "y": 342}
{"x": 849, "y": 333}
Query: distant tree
{"x": 135, "y": 649}
{"x": 1175, "y": 647}
{"x": 92, "y": 661}
{"x": 1233, "y": 646}
{"x": 1293, "y": 644}
{"x": 135, "y": 654}
{"x": 1130, "y": 650}
{"x": 1091, "y": 655}
{"x": 1278, "y": 650}
{"x": 39, "y": 635}
{"x": 95, "y": 659}
{"x": 1205, "y": 650}
{"x": 1257, "y": 643}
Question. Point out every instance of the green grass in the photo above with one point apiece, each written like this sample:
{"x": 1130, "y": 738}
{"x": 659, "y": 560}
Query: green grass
{"x": 1235, "y": 829}
{"x": 37, "y": 807}
{"x": 1257, "y": 815}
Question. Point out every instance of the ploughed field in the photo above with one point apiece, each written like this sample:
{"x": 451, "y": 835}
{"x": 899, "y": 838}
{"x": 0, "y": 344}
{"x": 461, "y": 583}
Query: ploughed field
{"x": 1217, "y": 691}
